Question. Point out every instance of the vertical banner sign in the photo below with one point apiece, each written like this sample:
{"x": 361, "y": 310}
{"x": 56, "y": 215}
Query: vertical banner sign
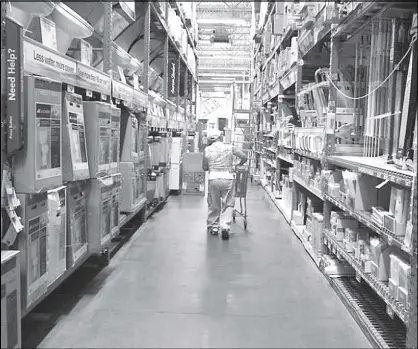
{"x": 172, "y": 77}
{"x": 14, "y": 87}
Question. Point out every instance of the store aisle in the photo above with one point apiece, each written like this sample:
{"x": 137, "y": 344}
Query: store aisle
{"x": 174, "y": 286}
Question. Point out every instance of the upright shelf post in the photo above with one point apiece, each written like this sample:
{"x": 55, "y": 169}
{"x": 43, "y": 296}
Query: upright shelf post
{"x": 147, "y": 39}
{"x": 107, "y": 38}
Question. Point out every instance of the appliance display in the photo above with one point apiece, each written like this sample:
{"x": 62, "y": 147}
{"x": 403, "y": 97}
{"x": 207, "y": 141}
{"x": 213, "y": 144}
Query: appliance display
{"x": 132, "y": 185}
{"x": 130, "y": 137}
{"x": 100, "y": 213}
{"x": 57, "y": 234}
{"x": 115, "y": 139}
{"x": 77, "y": 196}
{"x": 74, "y": 150}
{"x": 11, "y": 336}
{"x": 38, "y": 166}
{"x": 116, "y": 199}
{"x": 98, "y": 127}
{"x": 32, "y": 243}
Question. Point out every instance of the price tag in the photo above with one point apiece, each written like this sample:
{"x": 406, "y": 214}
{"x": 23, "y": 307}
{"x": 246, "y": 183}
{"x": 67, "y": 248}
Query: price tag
{"x": 390, "y": 311}
{"x": 89, "y": 93}
{"x": 70, "y": 88}
{"x": 358, "y": 277}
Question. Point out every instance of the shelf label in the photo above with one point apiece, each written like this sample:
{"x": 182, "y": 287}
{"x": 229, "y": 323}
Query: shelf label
{"x": 122, "y": 91}
{"x": 140, "y": 98}
{"x": 92, "y": 79}
{"x": 42, "y": 61}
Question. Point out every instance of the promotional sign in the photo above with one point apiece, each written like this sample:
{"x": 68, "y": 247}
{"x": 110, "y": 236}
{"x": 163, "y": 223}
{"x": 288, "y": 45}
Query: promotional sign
{"x": 14, "y": 87}
{"x": 172, "y": 78}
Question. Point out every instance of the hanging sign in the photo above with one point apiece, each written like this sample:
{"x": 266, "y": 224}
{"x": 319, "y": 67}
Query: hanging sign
{"x": 172, "y": 78}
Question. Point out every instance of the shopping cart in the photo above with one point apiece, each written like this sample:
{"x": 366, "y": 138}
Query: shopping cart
{"x": 241, "y": 180}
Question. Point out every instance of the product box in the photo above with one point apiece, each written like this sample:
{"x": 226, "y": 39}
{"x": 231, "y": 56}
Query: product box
{"x": 404, "y": 273}
{"x": 403, "y": 296}
{"x": 32, "y": 242}
{"x": 77, "y": 196}
{"x": 115, "y": 139}
{"x": 393, "y": 288}
{"x": 74, "y": 150}
{"x": 364, "y": 198}
{"x": 38, "y": 166}
{"x": 175, "y": 175}
{"x": 11, "y": 336}
{"x": 129, "y": 137}
{"x": 297, "y": 218}
{"x": 97, "y": 116}
{"x": 99, "y": 213}
{"x": 115, "y": 209}
{"x": 193, "y": 178}
{"x": 176, "y": 150}
{"x": 57, "y": 233}
{"x": 132, "y": 186}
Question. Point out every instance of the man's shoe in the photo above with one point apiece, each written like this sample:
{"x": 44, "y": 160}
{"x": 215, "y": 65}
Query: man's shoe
{"x": 225, "y": 234}
{"x": 213, "y": 231}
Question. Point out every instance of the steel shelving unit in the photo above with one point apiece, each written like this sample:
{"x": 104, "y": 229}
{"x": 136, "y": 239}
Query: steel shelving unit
{"x": 388, "y": 324}
{"x": 146, "y": 26}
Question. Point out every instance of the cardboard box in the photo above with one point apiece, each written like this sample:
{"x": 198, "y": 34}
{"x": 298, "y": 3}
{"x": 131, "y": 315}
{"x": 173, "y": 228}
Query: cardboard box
{"x": 393, "y": 288}
{"x": 38, "y": 166}
{"x": 132, "y": 186}
{"x": 57, "y": 234}
{"x": 115, "y": 204}
{"x": 403, "y": 296}
{"x": 77, "y": 197}
{"x": 115, "y": 139}
{"x": 130, "y": 137}
{"x": 11, "y": 336}
{"x": 74, "y": 149}
{"x": 97, "y": 117}
{"x": 32, "y": 242}
{"x": 297, "y": 218}
{"x": 100, "y": 213}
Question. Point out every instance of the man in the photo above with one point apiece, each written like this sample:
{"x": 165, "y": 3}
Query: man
{"x": 218, "y": 160}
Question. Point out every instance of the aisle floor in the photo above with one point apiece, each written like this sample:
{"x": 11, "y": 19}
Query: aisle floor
{"x": 173, "y": 286}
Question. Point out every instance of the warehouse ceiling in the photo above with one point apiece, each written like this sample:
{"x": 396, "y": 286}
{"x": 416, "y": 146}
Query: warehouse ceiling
{"x": 224, "y": 45}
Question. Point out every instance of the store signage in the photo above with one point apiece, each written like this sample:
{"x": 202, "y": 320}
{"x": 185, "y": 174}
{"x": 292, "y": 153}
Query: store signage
{"x": 172, "y": 78}
{"x": 122, "y": 91}
{"x": 14, "y": 87}
{"x": 41, "y": 61}
{"x": 92, "y": 79}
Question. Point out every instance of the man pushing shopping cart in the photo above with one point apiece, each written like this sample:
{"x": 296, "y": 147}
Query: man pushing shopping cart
{"x": 218, "y": 159}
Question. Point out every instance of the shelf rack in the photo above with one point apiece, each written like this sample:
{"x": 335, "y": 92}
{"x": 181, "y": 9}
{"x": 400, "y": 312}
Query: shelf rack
{"x": 332, "y": 27}
{"x": 146, "y": 25}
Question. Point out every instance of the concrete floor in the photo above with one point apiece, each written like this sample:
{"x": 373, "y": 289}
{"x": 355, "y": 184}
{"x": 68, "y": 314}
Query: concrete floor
{"x": 174, "y": 286}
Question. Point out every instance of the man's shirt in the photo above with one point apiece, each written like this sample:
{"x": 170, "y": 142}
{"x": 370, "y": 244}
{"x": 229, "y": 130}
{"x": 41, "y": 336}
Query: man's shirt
{"x": 219, "y": 157}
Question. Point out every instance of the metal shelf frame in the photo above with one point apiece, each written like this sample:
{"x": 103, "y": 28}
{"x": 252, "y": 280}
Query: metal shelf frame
{"x": 334, "y": 33}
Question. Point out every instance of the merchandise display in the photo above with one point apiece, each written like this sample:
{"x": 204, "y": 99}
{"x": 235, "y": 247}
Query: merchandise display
{"x": 10, "y": 300}
{"x": 335, "y": 100}
{"x": 77, "y": 197}
{"x": 83, "y": 100}
{"x": 39, "y": 167}
{"x": 74, "y": 150}
{"x": 98, "y": 117}
{"x": 57, "y": 233}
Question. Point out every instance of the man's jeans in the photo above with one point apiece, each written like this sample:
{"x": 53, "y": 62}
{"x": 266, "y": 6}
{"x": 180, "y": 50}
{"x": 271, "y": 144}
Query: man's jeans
{"x": 221, "y": 201}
